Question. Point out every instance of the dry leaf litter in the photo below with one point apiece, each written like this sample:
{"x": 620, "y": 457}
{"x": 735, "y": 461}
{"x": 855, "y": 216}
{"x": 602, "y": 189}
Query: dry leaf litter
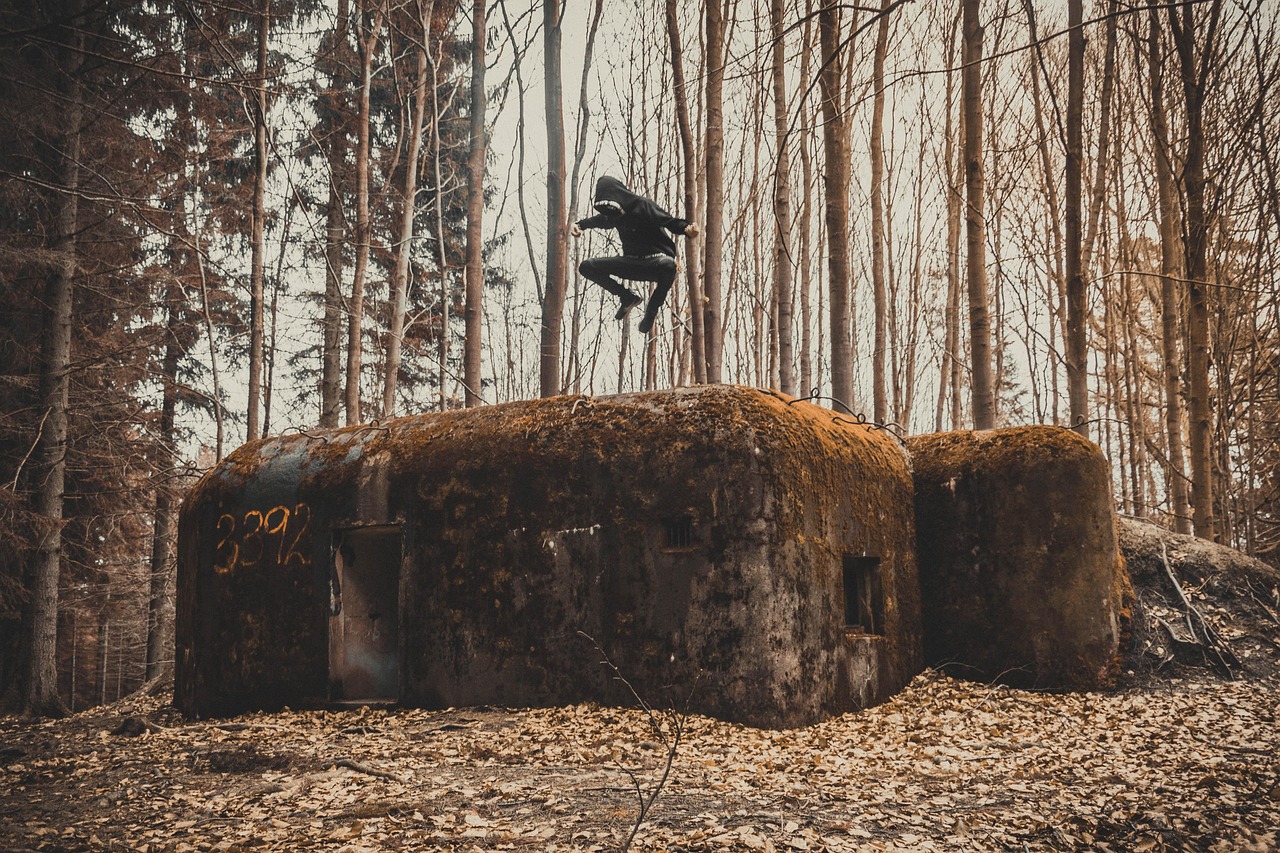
{"x": 1185, "y": 764}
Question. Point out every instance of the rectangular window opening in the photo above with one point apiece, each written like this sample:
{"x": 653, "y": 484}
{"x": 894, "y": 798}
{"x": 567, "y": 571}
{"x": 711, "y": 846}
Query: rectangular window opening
{"x": 863, "y": 598}
{"x": 679, "y": 532}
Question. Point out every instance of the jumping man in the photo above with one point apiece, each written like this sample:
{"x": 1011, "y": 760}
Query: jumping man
{"x": 648, "y": 252}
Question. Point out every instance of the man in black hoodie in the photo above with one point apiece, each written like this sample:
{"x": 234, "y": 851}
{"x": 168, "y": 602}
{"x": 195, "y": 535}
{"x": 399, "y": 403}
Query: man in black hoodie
{"x": 648, "y": 252}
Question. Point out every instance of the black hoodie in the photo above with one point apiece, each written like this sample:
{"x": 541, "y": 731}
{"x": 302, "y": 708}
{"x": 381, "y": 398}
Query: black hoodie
{"x": 639, "y": 221}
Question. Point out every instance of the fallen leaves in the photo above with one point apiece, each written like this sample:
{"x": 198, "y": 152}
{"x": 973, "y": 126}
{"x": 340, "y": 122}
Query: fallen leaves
{"x": 946, "y": 765}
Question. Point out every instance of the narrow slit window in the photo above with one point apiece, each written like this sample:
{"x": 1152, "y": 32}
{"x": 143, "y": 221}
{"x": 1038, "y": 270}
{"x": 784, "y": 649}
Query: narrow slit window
{"x": 679, "y": 532}
{"x": 863, "y": 599}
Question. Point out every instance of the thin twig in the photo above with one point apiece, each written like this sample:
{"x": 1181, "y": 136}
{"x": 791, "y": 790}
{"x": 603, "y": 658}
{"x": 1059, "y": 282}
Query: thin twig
{"x": 13, "y": 487}
{"x": 352, "y": 764}
{"x": 672, "y": 744}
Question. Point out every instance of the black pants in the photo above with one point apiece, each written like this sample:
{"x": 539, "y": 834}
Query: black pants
{"x": 660, "y": 269}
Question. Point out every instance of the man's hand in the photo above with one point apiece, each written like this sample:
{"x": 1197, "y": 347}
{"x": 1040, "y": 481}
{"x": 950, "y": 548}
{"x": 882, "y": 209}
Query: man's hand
{"x": 691, "y": 230}
{"x": 575, "y": 230}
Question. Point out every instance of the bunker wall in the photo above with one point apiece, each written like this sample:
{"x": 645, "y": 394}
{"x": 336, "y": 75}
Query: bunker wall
{"x": 700, "y": 538}
{"x": 1021, "y": 578}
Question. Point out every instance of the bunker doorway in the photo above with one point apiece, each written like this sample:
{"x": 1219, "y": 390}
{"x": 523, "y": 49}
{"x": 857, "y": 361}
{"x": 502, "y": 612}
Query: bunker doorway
{"x": 364, "y": 615}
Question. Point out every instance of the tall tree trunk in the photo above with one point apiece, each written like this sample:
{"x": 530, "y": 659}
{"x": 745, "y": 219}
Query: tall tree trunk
{"x": 404, "y": 241}
{"x": 836, "y": 179}
{"x": 557, "y": 217}
{"x": 1195, "y": 81}
{"x": 573, "y": 374}
{"x": 160, "y": 601}
{"x": 331, "y": 379}
{"x": 1057, "y": 287}
{"x": 442, "y": 249}
{"x": 473, "y": 312}
{"x": 1077, "y": 353}
{"x": 714, "y": 170}
{"x": 982, "y": 391}
{"x": 782, "y": 205}
{"x": 949, "y": 391}
{"x": 1170, "y": 358}
{"x": 806, "y": 214}
{"x": 34, "y": 687}
{"x": 254, "y": 421}
{"x": 370, "y": 24}
{"x": 880, "y": 403}
{"x": 693, "y": 282}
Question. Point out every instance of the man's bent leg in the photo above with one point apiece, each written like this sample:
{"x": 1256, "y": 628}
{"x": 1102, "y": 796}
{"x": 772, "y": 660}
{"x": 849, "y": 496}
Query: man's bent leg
{"x": 664, "y": 273}
{"x": 599, "y": 269}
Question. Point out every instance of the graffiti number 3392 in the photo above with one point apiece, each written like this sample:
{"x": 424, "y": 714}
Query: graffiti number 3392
{"x": 274, "y": 535}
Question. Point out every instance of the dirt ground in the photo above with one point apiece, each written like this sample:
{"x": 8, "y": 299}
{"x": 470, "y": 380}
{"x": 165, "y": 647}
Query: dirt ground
{"x": 1178, "y": 764}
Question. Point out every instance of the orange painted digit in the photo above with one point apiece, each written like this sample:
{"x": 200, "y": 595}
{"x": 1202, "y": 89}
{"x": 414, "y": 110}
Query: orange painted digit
{"x": 253, "y": 536}
{"x": 227, "y": 527}
{"x": 277, "y": 528}
{"x": 301, "y": 521}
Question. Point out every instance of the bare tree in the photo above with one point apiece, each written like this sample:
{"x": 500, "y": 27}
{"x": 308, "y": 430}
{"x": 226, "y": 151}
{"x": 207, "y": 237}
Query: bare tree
{"x": 880, "y": 403}
{"x": 782, "y": 254}
{"x": 952, "y": 362}
{"x": 982, "y": 390}
{"x": 254, "y": 421}
{"x": 693, "y": 282}
{"x": 806, "y": 210}
{"x": 33, "y": 688}
{"x": 474, "y": 308}
{"x": 335, "y": 52}
{"x": 368, "y": 27}
{"x": 160, "y": 603}
{"x": 714, "y": 242}
{"x": 557, "y": 216}
{"x": 417, "y": 113}
{"x": 836, "y": 179}
{"x": 1077, "y": 353}
{"x": 1196, "y": 72}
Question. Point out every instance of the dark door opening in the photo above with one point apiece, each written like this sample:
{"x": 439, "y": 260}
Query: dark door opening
{"x": 364, "y": 615}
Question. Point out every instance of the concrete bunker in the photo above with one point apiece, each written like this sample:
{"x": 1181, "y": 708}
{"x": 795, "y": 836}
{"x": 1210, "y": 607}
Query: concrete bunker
{"x": 756, "y": 551}
{"x": 1021, "y": 577}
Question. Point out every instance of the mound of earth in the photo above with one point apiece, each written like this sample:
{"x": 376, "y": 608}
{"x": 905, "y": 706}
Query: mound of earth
{"x": 1199, "y": 606}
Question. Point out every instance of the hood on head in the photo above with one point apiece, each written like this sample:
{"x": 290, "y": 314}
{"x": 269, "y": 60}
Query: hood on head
{"x": 612, "y": 196}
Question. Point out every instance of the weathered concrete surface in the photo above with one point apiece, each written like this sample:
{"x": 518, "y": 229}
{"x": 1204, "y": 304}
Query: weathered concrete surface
{"x": 697, "y": 535}
{"x": 1021, "y": 579}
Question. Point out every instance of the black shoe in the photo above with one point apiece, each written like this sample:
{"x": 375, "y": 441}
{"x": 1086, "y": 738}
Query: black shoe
{"x": 647, "y": 323}
{"x": 629, "y": 301}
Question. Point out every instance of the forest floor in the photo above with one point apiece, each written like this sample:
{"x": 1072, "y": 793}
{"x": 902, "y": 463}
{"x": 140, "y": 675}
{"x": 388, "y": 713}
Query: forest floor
{"x": 1176, "y": 764}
